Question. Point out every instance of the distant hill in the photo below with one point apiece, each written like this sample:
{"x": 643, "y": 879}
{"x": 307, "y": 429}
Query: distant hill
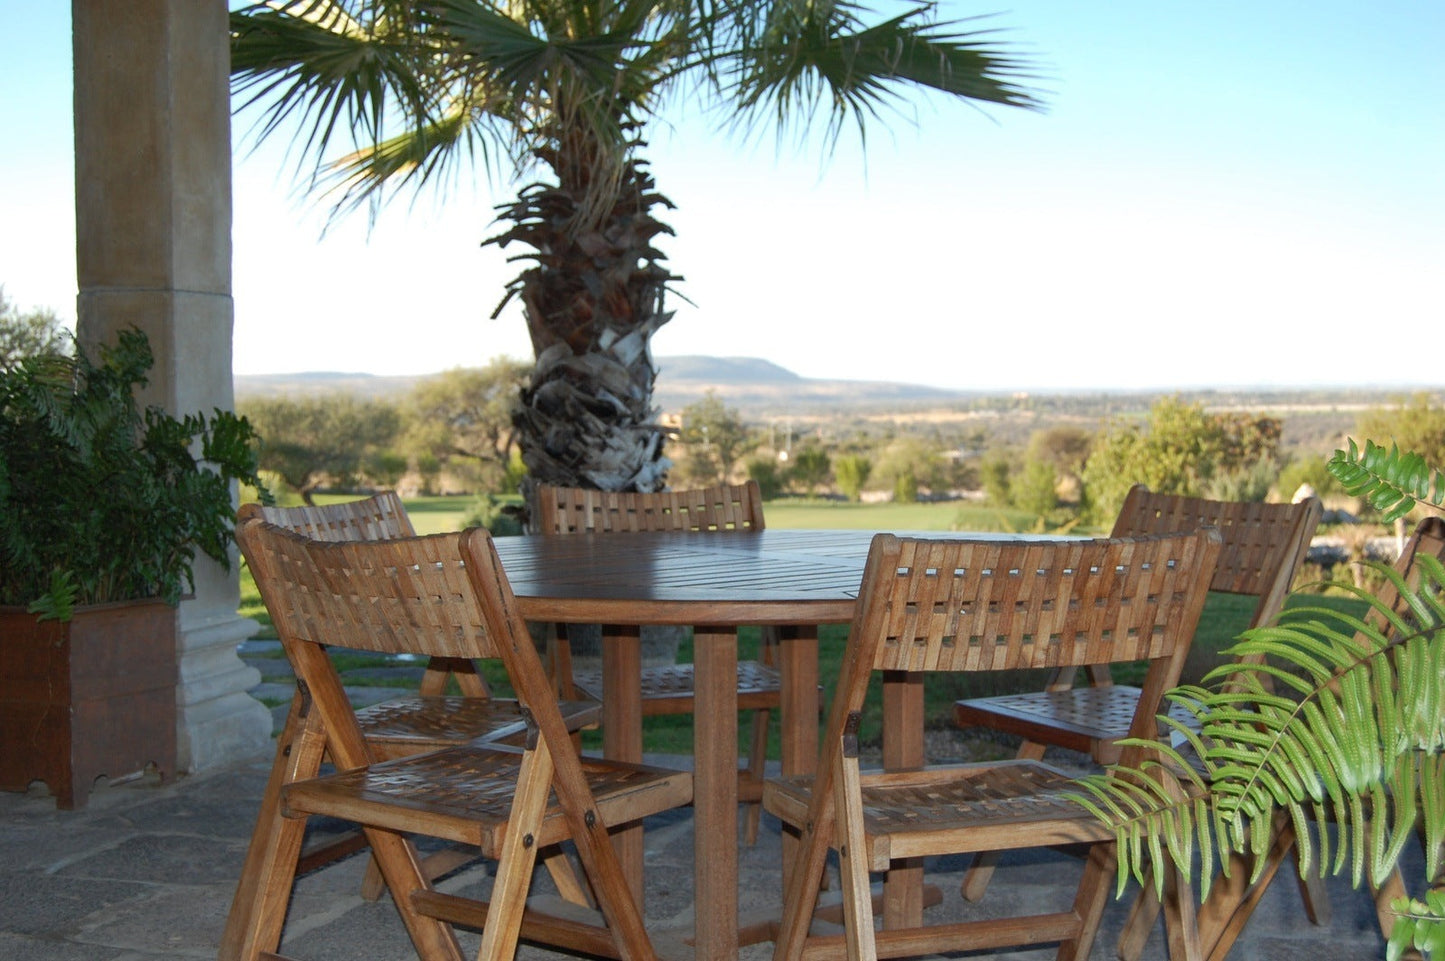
{"x": 753, "y": 385}
{"x": 321, "y": 382}
{"x": 763, "y": 392}
{"x": 724, "y": 370}
{"x": 747, "y": 383}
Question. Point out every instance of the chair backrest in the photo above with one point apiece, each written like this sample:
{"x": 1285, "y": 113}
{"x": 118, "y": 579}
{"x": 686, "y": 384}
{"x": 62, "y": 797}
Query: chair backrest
{"x": 379, "y": 517}
{"x": 1427, "y": 540}
{"x": 400, "y": 596}
{"x": 443, "y": 595}
{"x": 990, "y": 605}
{"x": 574, "y": 510}
{"x": 1263, "y": 544}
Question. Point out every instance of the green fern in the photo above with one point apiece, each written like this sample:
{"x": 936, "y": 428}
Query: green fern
{"x": 1344, "y": 725}
{"x": 1421, "y": 926}
{"x": 1393, "y": 481}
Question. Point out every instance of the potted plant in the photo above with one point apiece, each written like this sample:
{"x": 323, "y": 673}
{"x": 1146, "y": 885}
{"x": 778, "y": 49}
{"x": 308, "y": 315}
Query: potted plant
{"x": 1345, "y": 726}
{"x": 104, "y": 508}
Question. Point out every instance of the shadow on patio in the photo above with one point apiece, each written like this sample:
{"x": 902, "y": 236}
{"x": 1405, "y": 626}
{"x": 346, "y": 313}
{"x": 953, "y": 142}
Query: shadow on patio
{"x": 147, "y": 871}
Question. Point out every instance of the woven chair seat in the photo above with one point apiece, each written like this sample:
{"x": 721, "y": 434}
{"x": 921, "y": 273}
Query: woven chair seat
{"x": 673, "y": 685}
{"x": 988, "y": 800}
{"x": 465, "y": 794}
{"x": 1081, "y": 719}
{"x": 415, "y": 723}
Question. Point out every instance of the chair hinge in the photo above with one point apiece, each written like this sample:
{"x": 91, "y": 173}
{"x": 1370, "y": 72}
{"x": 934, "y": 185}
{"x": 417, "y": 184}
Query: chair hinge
{"x": 850, "y": 734}
{"x": 533, "y": 733}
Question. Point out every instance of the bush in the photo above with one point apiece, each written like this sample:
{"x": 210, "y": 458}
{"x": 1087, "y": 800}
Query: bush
{"x": 101, "y": 501}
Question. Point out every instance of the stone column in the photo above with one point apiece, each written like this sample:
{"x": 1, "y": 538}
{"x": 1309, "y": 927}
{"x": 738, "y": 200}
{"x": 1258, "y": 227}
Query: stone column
{"x": 153, "y": 250}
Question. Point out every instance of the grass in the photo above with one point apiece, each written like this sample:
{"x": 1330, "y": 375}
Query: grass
{"x": 1223, "y": 618}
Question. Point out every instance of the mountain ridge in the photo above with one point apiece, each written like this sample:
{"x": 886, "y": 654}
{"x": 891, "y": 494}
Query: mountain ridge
{"x": 743, "y": 382}
{"x": 762, "y": 389}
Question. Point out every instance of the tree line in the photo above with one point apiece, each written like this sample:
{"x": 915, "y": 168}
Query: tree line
{"x": 452, "y": 433}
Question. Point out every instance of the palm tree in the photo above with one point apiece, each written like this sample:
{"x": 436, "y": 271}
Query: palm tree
{"x": 560, "y": 93}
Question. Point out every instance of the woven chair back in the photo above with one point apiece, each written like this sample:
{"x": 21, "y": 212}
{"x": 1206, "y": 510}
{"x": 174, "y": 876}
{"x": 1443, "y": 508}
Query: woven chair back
{"x": 990, "y": 605}
{"x": 574, "y": 510}
{"x": 404, "y": 596}
{"x": 1263, "y": 544}
{"x": 377, "y": 518}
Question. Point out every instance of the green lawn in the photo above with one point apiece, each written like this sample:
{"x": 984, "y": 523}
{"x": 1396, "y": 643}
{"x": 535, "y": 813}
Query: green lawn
{"x": 1224, "y": 615}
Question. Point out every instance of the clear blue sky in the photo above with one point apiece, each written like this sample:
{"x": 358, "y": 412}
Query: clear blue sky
{"x": 1246, "y": 192}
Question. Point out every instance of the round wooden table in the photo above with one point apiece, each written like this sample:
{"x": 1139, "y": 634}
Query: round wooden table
{"x": 713, "y": 582}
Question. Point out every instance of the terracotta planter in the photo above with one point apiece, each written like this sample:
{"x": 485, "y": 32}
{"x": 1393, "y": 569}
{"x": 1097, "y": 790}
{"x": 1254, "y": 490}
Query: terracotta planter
{"x": 91, "y": 697}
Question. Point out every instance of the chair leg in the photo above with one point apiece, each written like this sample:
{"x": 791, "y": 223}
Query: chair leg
{"x": 258, "y": 909}
{"x": 1181, "y": 927}
{"x": 1232, "y": 901}
{"x": 853, "y": 867}
{"x": 1315, "y": 897}
{"x": 401, "y": 868}
{"x": 440, "y": 670}
{"x": 517, "y": 857}
{"x": 757, "y": 762}
{"x": 559, "y": 657}
{"x": 1142, "y": 915}
{"x": 433, "y": 866}
{"x": 570, "y": 886}
{"x": 1180, "y": 923}
{"x": 802, "y": 880}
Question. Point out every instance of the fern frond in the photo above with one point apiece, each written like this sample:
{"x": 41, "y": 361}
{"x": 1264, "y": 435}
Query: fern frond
{"x": 1352, "y": 735}
{"x": 1419, "y": 925}
{"x": 1393, "y": 481}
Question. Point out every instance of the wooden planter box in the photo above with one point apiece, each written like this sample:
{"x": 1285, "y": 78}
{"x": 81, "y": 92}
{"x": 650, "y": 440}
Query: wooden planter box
{"x": 91, "y": 697}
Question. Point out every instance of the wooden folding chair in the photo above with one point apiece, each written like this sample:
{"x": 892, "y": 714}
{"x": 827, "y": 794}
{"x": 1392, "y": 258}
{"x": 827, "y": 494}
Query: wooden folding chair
{"x": 442, "y": 596}
{"x": 1263, "y": 547}
{"x": 959, "y": 605}
{"x": 409, "y": 723}
{"x": 669, "y": 688}
{"x": 1232, "y": 899}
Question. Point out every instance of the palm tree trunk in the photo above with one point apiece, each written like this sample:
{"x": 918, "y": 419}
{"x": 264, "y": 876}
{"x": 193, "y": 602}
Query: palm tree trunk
{"x": 593, "y": 297}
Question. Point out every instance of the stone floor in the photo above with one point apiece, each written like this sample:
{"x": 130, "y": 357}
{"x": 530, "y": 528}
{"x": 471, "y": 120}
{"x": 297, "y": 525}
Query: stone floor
{"x": 147, "y": 871}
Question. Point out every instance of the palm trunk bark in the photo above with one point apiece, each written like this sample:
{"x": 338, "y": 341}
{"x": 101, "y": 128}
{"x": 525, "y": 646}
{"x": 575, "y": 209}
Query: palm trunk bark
{"x": 593, "y": 297}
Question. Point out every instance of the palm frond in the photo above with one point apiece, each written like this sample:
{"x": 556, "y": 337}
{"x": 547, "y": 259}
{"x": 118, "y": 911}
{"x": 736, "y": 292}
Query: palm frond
{"x": 1392, "y": 480}
{"x": 821, "y": 58}
{"x": 1358, "y": 739}
{"x": 315, "y": 67}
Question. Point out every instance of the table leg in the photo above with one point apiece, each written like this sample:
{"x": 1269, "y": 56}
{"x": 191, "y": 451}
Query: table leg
{"x": 715, "y": 793}
{"x": 903, "y": 747}
{"x": 798, "y": 663}
{"x": 622, "y": 730}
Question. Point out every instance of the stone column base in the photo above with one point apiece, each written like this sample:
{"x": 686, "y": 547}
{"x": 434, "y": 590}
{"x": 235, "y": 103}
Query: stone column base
{"x": 217, "y": 722}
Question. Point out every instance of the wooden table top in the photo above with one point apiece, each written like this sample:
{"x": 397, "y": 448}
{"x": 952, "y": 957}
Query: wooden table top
{"x": 715, "y": 577}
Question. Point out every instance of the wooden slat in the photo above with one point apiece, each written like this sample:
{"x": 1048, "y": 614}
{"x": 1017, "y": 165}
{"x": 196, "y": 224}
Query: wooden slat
{"x": 546, "y": 920}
